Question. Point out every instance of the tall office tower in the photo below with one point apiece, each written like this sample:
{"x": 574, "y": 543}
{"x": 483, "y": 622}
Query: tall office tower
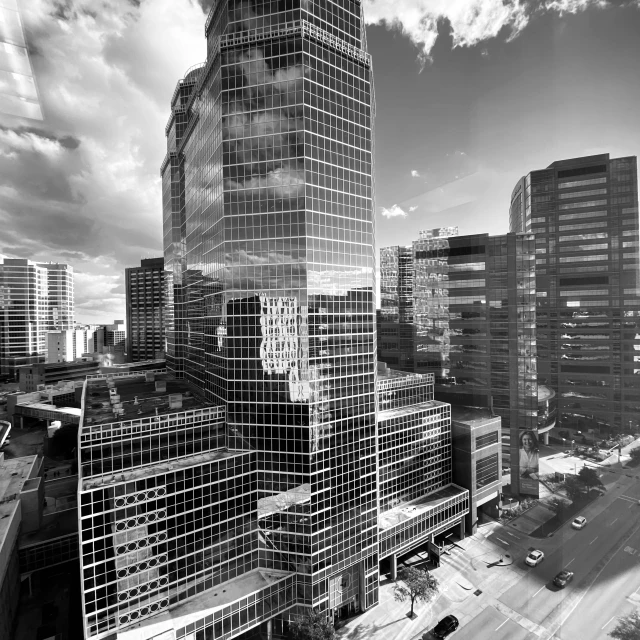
{"x": 473, "y": 310}
{"x": 61, "y": 298}
{"x": 24, "y": 314}
{"x": 268, "y": 227}
{"x": 584, "y": 214}
{"x": 144, "y": 287}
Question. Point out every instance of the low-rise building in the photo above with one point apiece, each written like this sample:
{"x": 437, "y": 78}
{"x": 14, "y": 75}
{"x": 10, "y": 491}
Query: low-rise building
{"x": 477, "y": 460}
{"x": 419, "y": 498}
{"x": 33, "y": 376}
{"x": 21, "y": 499}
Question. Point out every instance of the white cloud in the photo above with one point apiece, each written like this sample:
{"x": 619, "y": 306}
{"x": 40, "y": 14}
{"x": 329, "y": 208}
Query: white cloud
{"x": 83, "y": 186}
{"x": 472, "y": 21}
{"x": 414, "y": 173}
{"x": 394, "y": 212}
{"x": 413, "y": 208}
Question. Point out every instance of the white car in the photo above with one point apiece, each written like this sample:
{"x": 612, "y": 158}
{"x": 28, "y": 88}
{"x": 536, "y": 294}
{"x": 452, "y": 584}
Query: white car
{"x": 534, "y": 558}
{"x": 579, "y": 522}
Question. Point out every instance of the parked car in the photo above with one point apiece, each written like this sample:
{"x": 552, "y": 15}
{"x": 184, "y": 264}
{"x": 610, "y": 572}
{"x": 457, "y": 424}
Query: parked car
{"x": 579, "y": 522}
{"x": 534, "y": 558}
{"x": 446, "y": 626}
{"x": 563, "y": 578}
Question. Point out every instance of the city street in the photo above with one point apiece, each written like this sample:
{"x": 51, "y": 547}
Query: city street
{"x": 605, "y": 558}
{"x": 491, "y": 624}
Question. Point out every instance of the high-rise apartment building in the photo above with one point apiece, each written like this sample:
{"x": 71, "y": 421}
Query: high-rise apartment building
{"x": 61, "y": 296}
{"x": 584, "y": 214}
{"x": 24, "y": 314}
{"x": 144, "y": 286}
{"x": 463, "y": 308}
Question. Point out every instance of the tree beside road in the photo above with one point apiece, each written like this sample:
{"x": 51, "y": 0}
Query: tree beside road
{"x": 418, "y": 585}
{"x": 628, "y": 627}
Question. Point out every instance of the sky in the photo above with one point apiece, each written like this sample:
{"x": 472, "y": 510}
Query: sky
{"x": 470, "y": 95}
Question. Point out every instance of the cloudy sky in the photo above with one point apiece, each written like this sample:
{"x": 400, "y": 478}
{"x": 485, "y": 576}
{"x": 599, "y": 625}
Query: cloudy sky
{"x": 471, "y": 94}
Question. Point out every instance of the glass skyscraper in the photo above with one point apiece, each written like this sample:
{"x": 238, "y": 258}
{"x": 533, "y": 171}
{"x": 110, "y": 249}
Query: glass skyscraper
{"x": 584, "y": 214}
{"x": 268, "y": 226}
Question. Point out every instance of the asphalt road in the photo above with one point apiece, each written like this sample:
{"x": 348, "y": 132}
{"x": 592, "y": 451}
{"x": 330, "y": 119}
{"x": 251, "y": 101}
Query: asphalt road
{"x": 492, "y": 625}
{"x": 595, "y": 552}
{"x": 608, "y": 597}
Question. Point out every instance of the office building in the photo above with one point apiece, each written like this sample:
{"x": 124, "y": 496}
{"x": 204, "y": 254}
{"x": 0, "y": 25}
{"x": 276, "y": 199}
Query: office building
{"x": 418, "y": 497}
{"x": 144, "y": 286}
{"x": 463, "y": 308}
{"x": 477, "y": 462}
{"x": 109, "y": 341}
{"x": 268, "y": 233}
{"x": 584, "y": 214}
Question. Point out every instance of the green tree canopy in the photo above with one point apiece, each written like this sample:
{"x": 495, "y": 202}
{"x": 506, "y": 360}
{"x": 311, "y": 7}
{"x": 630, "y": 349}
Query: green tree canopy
{"x": 628, "y": 627}
{"x": 312, "y": 625}
{"x": 589, "y": 477}
{"x": 418, "y": 585}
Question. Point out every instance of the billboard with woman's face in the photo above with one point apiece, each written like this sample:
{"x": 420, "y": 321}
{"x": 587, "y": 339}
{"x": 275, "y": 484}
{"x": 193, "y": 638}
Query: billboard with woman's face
{"x": 529, "y": 467}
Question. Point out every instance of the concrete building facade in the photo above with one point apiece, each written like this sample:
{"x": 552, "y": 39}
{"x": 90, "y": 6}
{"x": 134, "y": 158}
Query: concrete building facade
{"x": 145, "y": 298}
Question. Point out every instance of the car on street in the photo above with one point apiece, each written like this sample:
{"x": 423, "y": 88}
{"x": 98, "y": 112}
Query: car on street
{"x": 579, "y": 522}
{"x": 446, "y": 626}
{"x": 534, "y": 558}
{"x": 563, "y": 578}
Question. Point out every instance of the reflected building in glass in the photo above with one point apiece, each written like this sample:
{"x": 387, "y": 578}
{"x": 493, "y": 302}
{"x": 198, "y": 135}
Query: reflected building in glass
{"x": 584, "y": 214}
{"x": 268, "y": 237}
{"x": 472, "y": 324}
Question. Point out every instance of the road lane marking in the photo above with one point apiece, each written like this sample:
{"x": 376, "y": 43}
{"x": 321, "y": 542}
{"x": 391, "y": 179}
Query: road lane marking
{"x": 503, "y": 541}
{"x": 538, "y": 591}
{"x": 512, "y": 535}
{"x": 594, "y": 540}
{"x": 507, "y": 620}
{"x": 570, "y": 561}
{"x": 612, "y": 523}
{"x": 631, "y": 505}
{"x": 606, "y": 623}
{"x": 574, "y": 605}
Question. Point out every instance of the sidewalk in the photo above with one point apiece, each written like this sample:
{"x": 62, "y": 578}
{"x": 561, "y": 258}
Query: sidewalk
{"x": 471, "y": 579}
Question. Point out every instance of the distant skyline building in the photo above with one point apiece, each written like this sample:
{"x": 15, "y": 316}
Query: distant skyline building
{"x": 584, "y": 214}
{"x": 61, "y": 296}
{"x": 68, "y": 345}
{"x": 463, "y": 308}
{"x": 34, "y": 299}
{"x": 145, "y": 299}
{"x": 110, "y": 340}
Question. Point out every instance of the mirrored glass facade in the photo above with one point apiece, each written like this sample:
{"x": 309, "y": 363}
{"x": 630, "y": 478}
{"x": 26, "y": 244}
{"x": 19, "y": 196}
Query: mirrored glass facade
{"x": 269, "y": 229}
{"x": 584, "y": 214}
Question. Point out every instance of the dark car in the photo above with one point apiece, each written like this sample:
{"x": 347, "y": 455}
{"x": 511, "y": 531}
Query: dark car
{"x": 446, "y": 626}
{"x": 563, "y": 578}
